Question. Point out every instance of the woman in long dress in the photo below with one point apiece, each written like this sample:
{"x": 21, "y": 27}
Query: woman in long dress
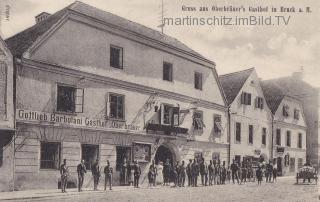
{"x": 159, "y": 178}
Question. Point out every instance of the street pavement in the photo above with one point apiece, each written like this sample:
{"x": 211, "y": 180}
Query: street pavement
{"x": 284, "y": 189}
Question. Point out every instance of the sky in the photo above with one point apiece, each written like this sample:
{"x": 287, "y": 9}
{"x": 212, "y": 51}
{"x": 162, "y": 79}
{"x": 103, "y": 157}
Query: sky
{"x": 275, "y": 51}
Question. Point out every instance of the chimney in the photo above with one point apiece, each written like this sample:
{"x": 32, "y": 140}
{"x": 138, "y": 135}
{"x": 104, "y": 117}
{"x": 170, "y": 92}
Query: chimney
{"x": 42, "y": 16}
{"x": 298, "y": 75}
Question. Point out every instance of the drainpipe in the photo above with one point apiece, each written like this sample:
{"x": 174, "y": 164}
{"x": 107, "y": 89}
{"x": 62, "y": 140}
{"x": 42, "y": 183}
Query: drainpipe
{"x": 272, "y": 138}
{"x": 229, "y": 135}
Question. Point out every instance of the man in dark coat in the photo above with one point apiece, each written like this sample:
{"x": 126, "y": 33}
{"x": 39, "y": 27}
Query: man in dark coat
{"x": 195, "y": 173}
{"x": 154, "y": 170}
{"x": 210, "y": 170}
{"x": 234, "y": 171}
{"x": 188, "y": 170}
{"x": 95, "y": 169}
{"x": 64, "y": 176}
{"x": 137, "y": 173}
{"x": 182, "y": 174}
{"x": 108, "y": 176}
{"x": 167, "y": 172}
{"x": 81, "y": 170}
{"x": 204, "y": 172}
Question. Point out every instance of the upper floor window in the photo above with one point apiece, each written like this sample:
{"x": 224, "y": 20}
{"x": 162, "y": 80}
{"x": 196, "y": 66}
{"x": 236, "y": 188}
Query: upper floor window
{"x": 264, "y": 136}
{"x": 238, "y": 132}
{"x": 259, "y": 102}
{"x": 299, "y": 140}
{"x": 198, "y": 80}
{"x": 278, "y": 137}
{"x": 117, "y": 106}
{"x": 217, "y": 124}
{"x": 116, "y": 57}
{"x": 167, "y": 71}
{"x": 69, "y": 99}
{"x": 169, "y": 115}
{"x": 3, "y": 90}
{"x": 296, "y": 114}
{"x": 246, "y": 98}
{"x": 288, "y": 138}
{"x": 198, "y": 120}
{"x": 285, "y": 110}
{"x": 250, "y": 134}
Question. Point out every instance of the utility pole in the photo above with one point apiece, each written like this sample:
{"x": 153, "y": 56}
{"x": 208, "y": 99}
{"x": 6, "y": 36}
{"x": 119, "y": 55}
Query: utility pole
{"x": 162, "y": 16}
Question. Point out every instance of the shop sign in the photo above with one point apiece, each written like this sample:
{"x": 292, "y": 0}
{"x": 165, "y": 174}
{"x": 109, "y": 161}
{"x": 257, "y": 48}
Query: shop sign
{"x": 72, "y": 120}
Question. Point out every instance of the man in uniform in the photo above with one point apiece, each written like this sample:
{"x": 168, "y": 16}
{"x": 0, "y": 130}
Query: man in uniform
{"x": 234, "y": 171}
{"x": 137, "y": 173}
{"x": 81, "y": 170}
{"x": 188, "y": 169}
{"x": 154, "y": 170}
{"x": 96, "y": 174}
{"x": 64, "y": 175}
{"x": 108, "y": 176}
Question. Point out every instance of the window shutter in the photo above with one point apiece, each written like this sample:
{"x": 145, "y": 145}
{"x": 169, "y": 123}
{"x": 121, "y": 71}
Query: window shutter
{"x": 249, "y": 99}
{"x": 256, "y": 102}
{"x": 262, "y": 103}
{"x": 79, "y": 97}
{"x": 242, "y": 98}
{"x": 161, "y": 114}
{"x": 175, "y": 116}
{"x": 107, "y": 106}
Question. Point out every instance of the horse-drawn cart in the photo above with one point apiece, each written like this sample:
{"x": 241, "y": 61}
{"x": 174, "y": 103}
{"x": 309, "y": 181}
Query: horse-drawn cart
{"x": 307, "y": 173}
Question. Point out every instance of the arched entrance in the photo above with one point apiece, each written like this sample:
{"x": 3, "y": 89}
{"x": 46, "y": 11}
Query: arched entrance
{"x": 163, "y": 153}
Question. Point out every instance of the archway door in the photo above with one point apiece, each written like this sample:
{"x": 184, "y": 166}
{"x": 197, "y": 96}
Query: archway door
{"x": 163, "y": 153}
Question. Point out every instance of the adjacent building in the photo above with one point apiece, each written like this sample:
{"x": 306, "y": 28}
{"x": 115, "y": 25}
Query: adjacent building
{"x": 250, "y": 118}
{"x": 6, "y": 118}
{"x": 93, "y": 85}
{"x": 289, "y": 129}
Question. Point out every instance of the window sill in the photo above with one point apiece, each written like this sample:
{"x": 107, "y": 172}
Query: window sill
{"x": 119, "y": 68}
{"x": 237, "y": 142}
{"x": 66, "y": 113}
{"x": 250, "y": 144}
{"x": 49, "y": 169}
{"x": 168, "y": 81}
{"x": 118, "y": 120}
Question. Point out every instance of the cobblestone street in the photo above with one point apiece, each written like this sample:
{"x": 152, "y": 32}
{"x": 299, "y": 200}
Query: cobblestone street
{"x": 283, "y": 190}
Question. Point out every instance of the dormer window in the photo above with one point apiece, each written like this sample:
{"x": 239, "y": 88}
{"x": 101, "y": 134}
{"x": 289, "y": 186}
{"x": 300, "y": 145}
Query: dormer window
{"x": 285, "y": 110}
{"x": 296, "y": 114}
{"x": 246, "y": 98}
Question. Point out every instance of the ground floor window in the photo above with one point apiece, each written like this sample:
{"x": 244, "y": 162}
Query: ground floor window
{"x": 237, "y": 158}
{"x": 292, "y": 165}
{"x": 89, "y": 153}
{"x": 300, "y": 163}
{"x": 123, "y": 156}
{"x": 50, "y": 155}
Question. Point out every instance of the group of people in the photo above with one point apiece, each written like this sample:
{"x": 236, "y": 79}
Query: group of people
{"x": 214, "y": 173}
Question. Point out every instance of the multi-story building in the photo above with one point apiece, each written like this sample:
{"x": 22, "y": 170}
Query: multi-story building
{"x": 309, "y": 96}
{"x": 93, "y": 85}
{"x": 289, "y": 129}
{"x": 250, "y": 117}
{"x": 6, "y": 118}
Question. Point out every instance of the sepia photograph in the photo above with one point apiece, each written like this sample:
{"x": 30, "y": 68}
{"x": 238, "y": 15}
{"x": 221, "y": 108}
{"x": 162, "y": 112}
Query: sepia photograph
{"x": 160, "y": 101}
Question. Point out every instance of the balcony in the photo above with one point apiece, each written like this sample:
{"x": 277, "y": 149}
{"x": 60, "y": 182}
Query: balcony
{"x": 166, "y": 129}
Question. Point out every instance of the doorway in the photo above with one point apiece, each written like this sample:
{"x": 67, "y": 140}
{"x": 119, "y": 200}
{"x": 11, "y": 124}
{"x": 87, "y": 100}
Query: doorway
{"x": 279, "y": 166}
{"x": 163, "y": 153}
{"x": 89, "y": 154}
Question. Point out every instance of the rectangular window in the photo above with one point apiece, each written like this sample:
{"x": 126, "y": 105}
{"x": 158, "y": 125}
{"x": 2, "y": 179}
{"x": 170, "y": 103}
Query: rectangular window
{"x": 264, "y": 136}
{"x": 70, "y": 99}
{"x": 116, "y": 57}
{"x": 198, "y": 120}
{"x": 285, "y": 110}
{"x": 170, "y": 115}
{"x": 238, "y": 132}
{"x": 278, "y": 137}
{"x": 299, "y": 140}
{"x": 3, "y": 91}
{"x": 296, "y": 114}
{"x": 122, "y": 154}
{"x": 237, "y": 158}
{"x": 250, "y": 134}
{"x": 292, "y": 164}
{"x": 50, "y": 155}
{"x": 246, "y": 98}
{"x": 198, "y": 80}
{"x": 288, "y": 138}
{"x": 300, "y": 163}
{"x": 167, "y": 71}
{"x": 259, "y": 102}
{"x": 117, "y": 106}
{"x": 217, "y": 124}
{"x": 89, "y": 153}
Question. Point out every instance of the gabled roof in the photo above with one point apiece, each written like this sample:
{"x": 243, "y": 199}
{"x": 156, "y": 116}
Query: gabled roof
{"x": 20, "y": 42}
{"x": 273, "y": 94}
{"x": 233, "y": 82}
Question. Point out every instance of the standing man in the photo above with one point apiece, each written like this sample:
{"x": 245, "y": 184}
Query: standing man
{"x": 182, "y": 174}
{"x": 234, "y": 171}
{"x": 223, "y": 173}
{"x": 195, "y": 173}
{"x": 108, "y": 176}
{"x": 137, "y": 173}
{"x": 96, "y": 174}
{"x": 154, "y": 170}
{"x": 204, "y": 172}
{"x": 81, "y": 170}
{"x": 167, "y": 172}
{"x": 188, "y": 170}
{"x": 210, "y": 170}
{"x": 64, "y": 175}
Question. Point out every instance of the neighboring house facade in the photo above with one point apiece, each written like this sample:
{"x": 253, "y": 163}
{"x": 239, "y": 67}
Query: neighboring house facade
{"x": 250, "y": 117}
{"x": 111, "y": 90}
{"x": 6, "y": 118}
{"x": 289, "y": 129}
{"x": 310, "y": 99}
